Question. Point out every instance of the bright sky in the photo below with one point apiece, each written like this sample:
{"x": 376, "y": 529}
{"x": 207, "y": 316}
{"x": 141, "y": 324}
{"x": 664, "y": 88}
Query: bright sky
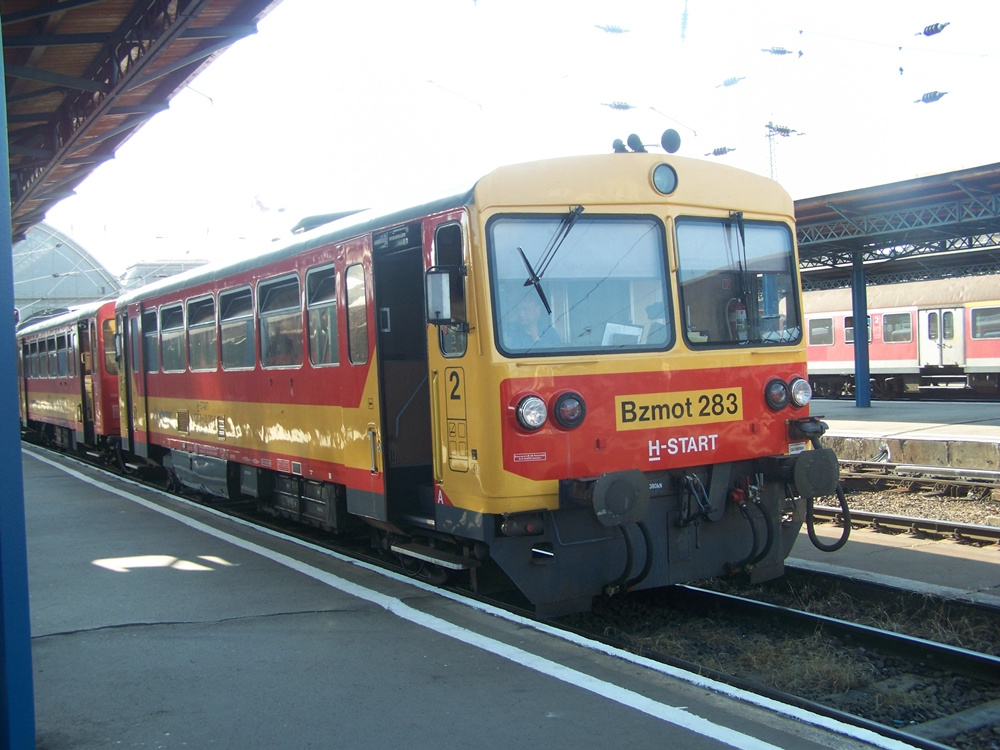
{"x": 348, "y": 104}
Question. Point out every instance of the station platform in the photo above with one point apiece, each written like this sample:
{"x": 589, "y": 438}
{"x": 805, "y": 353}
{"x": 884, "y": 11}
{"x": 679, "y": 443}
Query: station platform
{"x": 936, "y": 566}
{"x": 157, "y": 623}
{"x": 955, "y": 434}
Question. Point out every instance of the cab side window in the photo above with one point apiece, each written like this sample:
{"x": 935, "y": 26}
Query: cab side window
{"x": 448, "y": 252}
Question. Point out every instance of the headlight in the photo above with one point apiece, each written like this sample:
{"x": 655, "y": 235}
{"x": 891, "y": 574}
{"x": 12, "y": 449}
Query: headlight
{"x": 570, "y": 410}
{"x": 664, "y": 179}
{"x": 531, "y": 413}
{"x": 802, "y": 392}
{"x": 776, "y": 394}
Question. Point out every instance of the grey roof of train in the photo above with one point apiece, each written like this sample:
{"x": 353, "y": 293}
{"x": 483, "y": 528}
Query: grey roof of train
{"x": 342, "y": 229}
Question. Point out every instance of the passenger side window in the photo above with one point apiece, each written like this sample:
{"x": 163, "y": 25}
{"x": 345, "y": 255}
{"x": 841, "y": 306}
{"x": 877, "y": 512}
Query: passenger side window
{"x": 110, "y": 358}
{"x": 203, "y": 337}
{"x": 897, "y": 328}
{"x": 849, "y": 329}
{"x": 821, "y": 332}
{"x": 172, "y": 338}
{"x": 236, "y": 312}
{"x": 357, "y": 316}
{"x": 150, "y": 341}
{"x": 986, "y": 323}
{"x": 280, "y": 312}
{"x": 321, "y": 303}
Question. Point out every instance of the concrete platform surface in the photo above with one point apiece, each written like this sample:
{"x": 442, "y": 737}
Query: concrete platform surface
{"x": 954, "y": 434}
{"x": 159, "y": 624}
{"x": 923, "y": 564}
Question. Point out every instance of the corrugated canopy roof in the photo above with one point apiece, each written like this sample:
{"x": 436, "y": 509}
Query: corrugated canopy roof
{"x": 83, "y": 75}
{"x": 928, "y": 227}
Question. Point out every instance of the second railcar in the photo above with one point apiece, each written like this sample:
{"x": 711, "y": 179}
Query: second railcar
{"x": 68, "y": 378}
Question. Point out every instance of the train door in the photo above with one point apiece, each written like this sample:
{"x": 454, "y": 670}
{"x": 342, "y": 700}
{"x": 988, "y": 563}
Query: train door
{"x": 942, "y": 337}
{"x": 363, "y": 424}
{"x": 87, "y": 344}
{"x": 397, "y": 271}
{"x": 131, "y": 405}
{"x": 449, "y": 366}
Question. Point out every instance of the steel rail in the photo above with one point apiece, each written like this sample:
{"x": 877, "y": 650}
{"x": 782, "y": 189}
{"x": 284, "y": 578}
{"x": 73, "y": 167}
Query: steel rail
{"x": 963, "y": 532}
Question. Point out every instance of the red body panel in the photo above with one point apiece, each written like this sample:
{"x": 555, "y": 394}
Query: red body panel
{"x": 711, "y": 430}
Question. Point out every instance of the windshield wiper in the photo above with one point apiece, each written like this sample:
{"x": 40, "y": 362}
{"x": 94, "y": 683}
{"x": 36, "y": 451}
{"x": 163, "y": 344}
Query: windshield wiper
{"x": 535, "y": 278}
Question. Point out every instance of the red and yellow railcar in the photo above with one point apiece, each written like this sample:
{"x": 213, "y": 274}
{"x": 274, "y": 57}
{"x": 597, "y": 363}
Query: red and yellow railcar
{"x": 68, "y": 377}
{"x": 581, "y": 375}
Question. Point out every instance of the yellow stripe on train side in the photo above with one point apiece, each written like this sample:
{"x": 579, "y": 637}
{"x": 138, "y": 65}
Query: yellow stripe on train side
{"x": 678, "y": 409}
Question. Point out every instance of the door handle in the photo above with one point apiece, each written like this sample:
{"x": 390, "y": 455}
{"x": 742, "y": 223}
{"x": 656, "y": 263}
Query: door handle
{"x": 374, "y": 448}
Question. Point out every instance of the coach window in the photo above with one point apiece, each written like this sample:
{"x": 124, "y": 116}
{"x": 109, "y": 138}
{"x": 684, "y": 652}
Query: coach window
{"x": 150, "y": 341}
{"x": 53, "y": 358}
{"x": 172, "y": 338}
{"x": 948, "y": 325}
{"x": 43, "y": 358}
{"x": 849, "y": 329}
{"x": 87, "y": 349}
{"x": 61, "y": 358}
{"x": 280, "y": 311}
{"x": 453, "y": 340}
{"x": 133, "y": 333}
{"x": 236, "y": 313}
{"x": 110, "y": 358}
{"x": 986, "y": 323}
{"x": 357, "y": 316}
{"x": 897, "y": 328}
{"x": 321, "y": 290}
{"x": 33, "y": 354}
{"x": 203, "y": 337}
{"x": 821, "y": 332}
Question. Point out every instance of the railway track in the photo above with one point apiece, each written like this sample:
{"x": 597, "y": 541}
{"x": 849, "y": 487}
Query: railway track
{"x": 927, "y": 694}
{"x": 894, "y": 524}
{"x": 913, "y": 478}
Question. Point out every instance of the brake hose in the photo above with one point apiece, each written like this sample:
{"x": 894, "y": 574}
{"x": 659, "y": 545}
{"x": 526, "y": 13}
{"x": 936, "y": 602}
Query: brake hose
{"x": 811, "y": 524}
{"x": 769, "y": 520}
{"x": 648, "y": 565}
{"x": 742, "y": 505}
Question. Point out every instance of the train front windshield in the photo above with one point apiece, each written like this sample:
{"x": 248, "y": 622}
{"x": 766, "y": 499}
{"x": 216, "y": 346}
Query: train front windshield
{"x": 575, "y": 283}
{"x": 737, "y": 282}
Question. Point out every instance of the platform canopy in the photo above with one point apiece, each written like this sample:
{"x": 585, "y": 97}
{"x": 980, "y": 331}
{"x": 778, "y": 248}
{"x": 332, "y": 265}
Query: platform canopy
{"x": 83, "y": 75}
{"x": 939, "y": 226}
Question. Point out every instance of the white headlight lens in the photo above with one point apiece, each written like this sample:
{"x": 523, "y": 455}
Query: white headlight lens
{"x": 802, "y": 392}
{"x": 531, "y": 413}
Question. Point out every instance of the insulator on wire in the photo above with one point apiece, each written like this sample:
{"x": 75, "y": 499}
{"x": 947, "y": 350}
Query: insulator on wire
{"x": 721, "y": 151}
{"x": 930, "y": 97}
{"x": 731, "y": 81}
{"x": 619, "y": 105}
{"x": 934, "y": 28}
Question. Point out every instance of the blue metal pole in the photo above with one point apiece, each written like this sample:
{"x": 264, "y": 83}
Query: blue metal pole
{"x": 862, "y": 369}
{"x": 17, "y": 695}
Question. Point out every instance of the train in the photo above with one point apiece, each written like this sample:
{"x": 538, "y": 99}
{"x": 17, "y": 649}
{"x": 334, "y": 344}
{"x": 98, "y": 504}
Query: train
{"x": 937, "y": 336}
{"x": 579, "y": 376}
